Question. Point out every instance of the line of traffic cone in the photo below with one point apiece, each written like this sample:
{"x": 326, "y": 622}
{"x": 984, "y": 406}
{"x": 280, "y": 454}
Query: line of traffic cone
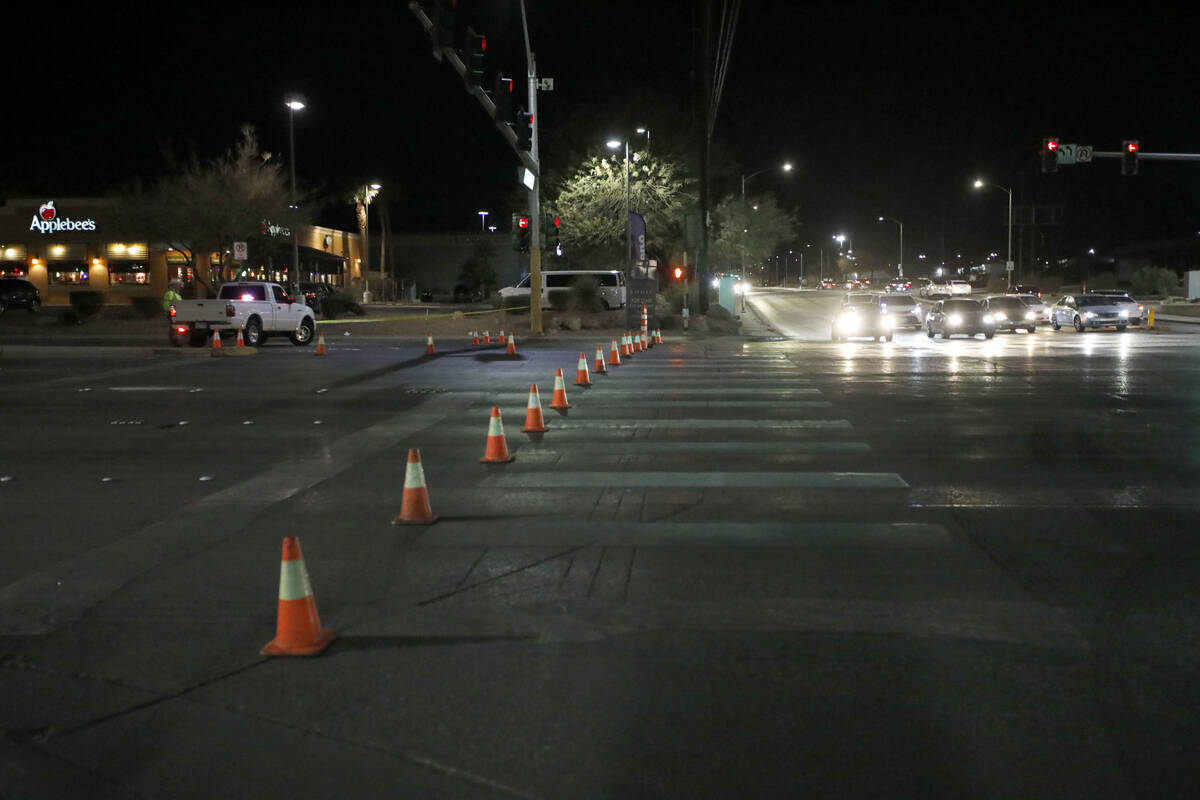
{"x": 496, "y": 451}
{"x": 581, "y": 372}
{"x": 614, "y": 355}
{"x": 600, "y": 369}
{"x": 241, "y": 340}
{"x": 475, "y": 336}
{"x": 298, "y": 630}
{"x": 429, "y": 349}
{"x": 321, "y": 349}
{"x": 658, "y": 336}
{"x": 216, "y": 340}
{"x": 534, "y": 422}
{"x": 559, "y": 400}
{"x": 512, "y": 345}
{"x": 487, "y": 336}
{"x": 502, "y": 336}
{"x": 414, "y": 503}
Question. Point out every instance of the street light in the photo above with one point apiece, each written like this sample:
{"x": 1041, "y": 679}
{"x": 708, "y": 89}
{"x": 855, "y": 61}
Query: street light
{"x": 294, "y": 103}
{"x": 786, "y": 167}
{"x": 979, "y": 184}
{"x": 900, "y": 263}
{"x": 366, "y": 194}
{"x": 482, "y": 221}
{"x": 614, "y": 144}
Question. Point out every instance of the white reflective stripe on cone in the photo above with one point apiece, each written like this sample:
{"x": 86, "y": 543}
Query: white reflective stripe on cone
{"x": 293, "y": 581}
{"x": 534, "y": 400}
{"x": 414, "y": 475}
{"x": 495, "y": 428}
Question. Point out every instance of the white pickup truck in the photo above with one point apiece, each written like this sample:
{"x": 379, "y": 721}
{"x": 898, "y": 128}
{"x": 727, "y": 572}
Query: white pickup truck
{"x": 260, "y": 309}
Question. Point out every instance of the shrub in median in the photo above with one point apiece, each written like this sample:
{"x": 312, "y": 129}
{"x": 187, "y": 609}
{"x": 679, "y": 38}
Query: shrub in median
{"x": 148, "y": 307}
{"x": 86, "y": 303}
{"x": 339, "y": 303}
{"x": 1154, "y": 281}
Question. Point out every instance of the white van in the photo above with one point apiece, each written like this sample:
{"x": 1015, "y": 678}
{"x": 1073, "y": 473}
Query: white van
{"x": 612, "y": 284}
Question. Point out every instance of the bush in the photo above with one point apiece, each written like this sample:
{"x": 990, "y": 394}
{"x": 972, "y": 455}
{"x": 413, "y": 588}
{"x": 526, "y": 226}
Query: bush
{"x": 673, "y": 294}
{"x": 148, "y": 307}
{"x": 1103, "y": 281}
{"x": 337, "y": 304}
{"x": 1154, "y": 281}
{"x": 86, "y": 303}
{"x": 585, "y": 295}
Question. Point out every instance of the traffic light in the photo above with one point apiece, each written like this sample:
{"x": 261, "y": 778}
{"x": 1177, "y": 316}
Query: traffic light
{"x": 1050, "y": 155}
{"x": 523, "y": 127}
{"x": 521, "y": 231}
{"x": 502, "y": 95}
{"x": 441, "y": 17}
{"x": 1129, "y": 157}
{"x": 678, "y": 273}
{"x": 474, "y": 53}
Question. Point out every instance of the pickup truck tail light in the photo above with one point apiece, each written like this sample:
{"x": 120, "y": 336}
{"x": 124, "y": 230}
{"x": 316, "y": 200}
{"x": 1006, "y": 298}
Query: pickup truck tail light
{"x": 230, "y": 310}
{"x": 171, "y": 311}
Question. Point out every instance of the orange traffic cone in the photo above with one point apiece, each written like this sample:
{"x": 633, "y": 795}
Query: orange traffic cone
{"x": 429, "y": 344}
{"x": 534, "y": 422}
{"x": 475, "y": 336}
{"x": 487, "y": 337}
{"x": 614, "y": 355}
{"x": 658, "y": 336}
{"x": 599, "y": 369}
{"x": 645, "y": 340}
{"x": 559, "y": 400}
{"x": 502, "y": 336}
{"x": 639, "y": 342}
{"x": 298, "y": 630}
{"x": 497, "y": 448}
{"x": 321, "y": 343}
{"x": 512, "y": 345}
{"x": 216, "y": 340}
{"x": 241, "y": 341}
{"x": 581, "y": 372}
{"x": 414, "y": 505}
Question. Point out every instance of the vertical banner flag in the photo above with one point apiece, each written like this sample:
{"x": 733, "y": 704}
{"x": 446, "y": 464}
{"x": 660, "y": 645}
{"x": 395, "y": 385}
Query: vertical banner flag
{"x": 638, "y": 224}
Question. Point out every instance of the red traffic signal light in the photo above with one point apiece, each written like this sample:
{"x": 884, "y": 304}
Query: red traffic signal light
{"x": 678, "y": 273}
{"x": 523, "y": 223}
{"x": 1129, "y": 157}
{"x": 1050, "y": 155}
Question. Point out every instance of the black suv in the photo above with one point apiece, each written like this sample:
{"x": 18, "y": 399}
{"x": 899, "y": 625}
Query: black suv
{"x": 18, "y": 293}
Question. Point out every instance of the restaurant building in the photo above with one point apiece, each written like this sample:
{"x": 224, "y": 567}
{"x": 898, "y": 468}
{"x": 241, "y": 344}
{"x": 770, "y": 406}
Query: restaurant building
{"x": 70, "y": 244}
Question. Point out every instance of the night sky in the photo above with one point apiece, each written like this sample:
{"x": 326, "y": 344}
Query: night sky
{"x": 886, "y": 109}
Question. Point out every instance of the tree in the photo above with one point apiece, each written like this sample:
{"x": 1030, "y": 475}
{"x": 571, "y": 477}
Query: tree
{"x": 201, "y": 207}
{"x": 591, "y": 202}
{"x": 477, "y": 275}
{"x": 749, "y": 232}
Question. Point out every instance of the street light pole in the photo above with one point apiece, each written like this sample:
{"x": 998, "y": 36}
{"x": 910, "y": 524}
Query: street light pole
{"x": 613, "y": 144}
{"x": 368, "y": 194}
{"x": 786, "y": 167}
{"x": 1008, "y": 266}
{"x": 482, "y": 221}
{"x": 294, "y": 103}
{"x": 900, "y": 263}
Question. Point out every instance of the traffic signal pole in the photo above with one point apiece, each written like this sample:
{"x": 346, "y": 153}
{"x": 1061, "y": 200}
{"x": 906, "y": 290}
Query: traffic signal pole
{"x": 535, "y": 215}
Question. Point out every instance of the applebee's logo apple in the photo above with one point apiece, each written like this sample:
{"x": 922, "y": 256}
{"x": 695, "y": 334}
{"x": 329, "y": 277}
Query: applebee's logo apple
{"x": 46, "y": 220}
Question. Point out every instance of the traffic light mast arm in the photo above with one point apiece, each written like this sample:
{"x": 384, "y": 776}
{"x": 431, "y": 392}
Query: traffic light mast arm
{"x": 535, "y": 213}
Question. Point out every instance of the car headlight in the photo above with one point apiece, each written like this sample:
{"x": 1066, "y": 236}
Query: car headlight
{"x": 1000, "y": 315}
{"x": 988, "y": 319}
{"x": 1030, "y": 315}
{"x": 888, "y": 322}
{"x": 848, "y": 323}
{"x": 954, "y": 319}
{"x": 1088, "y": 315}
{"x": 1123, "y": 314}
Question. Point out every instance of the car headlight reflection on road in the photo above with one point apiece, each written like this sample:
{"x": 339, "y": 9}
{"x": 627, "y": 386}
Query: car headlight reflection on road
{"x": 988, "y": 319}
{"x": 954, "y": 319}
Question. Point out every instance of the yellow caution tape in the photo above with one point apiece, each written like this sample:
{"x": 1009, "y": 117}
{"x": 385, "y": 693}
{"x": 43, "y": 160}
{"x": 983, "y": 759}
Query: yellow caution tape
{"x": 451, "y": 315}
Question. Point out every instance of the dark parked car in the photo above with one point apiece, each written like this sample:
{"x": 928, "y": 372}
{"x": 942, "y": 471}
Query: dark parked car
{"x": 18, "y": 293}
{"x": 959, "y": 316}
{"x": 315, "y": 294}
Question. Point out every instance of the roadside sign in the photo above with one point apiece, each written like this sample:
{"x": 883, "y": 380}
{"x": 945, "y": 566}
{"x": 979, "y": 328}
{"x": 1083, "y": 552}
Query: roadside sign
{"x": 1083, "y": 154}
{"x": 1066, "y": 153}
{"x": 546, "y": 84}
{"x": 1009, "y": 266}
{"x": 239, "y": 251}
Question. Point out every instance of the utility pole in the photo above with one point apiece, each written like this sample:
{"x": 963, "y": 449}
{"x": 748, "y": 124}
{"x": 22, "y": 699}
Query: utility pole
{"x": 535, "y": 212}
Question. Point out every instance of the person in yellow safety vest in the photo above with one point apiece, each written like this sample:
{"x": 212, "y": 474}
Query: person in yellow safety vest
{"x": 171, "y": 296}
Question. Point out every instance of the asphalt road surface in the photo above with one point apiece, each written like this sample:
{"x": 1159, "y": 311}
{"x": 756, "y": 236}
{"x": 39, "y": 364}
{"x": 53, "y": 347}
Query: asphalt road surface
{"x": 764, "y": 565}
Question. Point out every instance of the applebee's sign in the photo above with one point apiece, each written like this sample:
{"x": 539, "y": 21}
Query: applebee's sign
{"x": 47, "y": 220}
